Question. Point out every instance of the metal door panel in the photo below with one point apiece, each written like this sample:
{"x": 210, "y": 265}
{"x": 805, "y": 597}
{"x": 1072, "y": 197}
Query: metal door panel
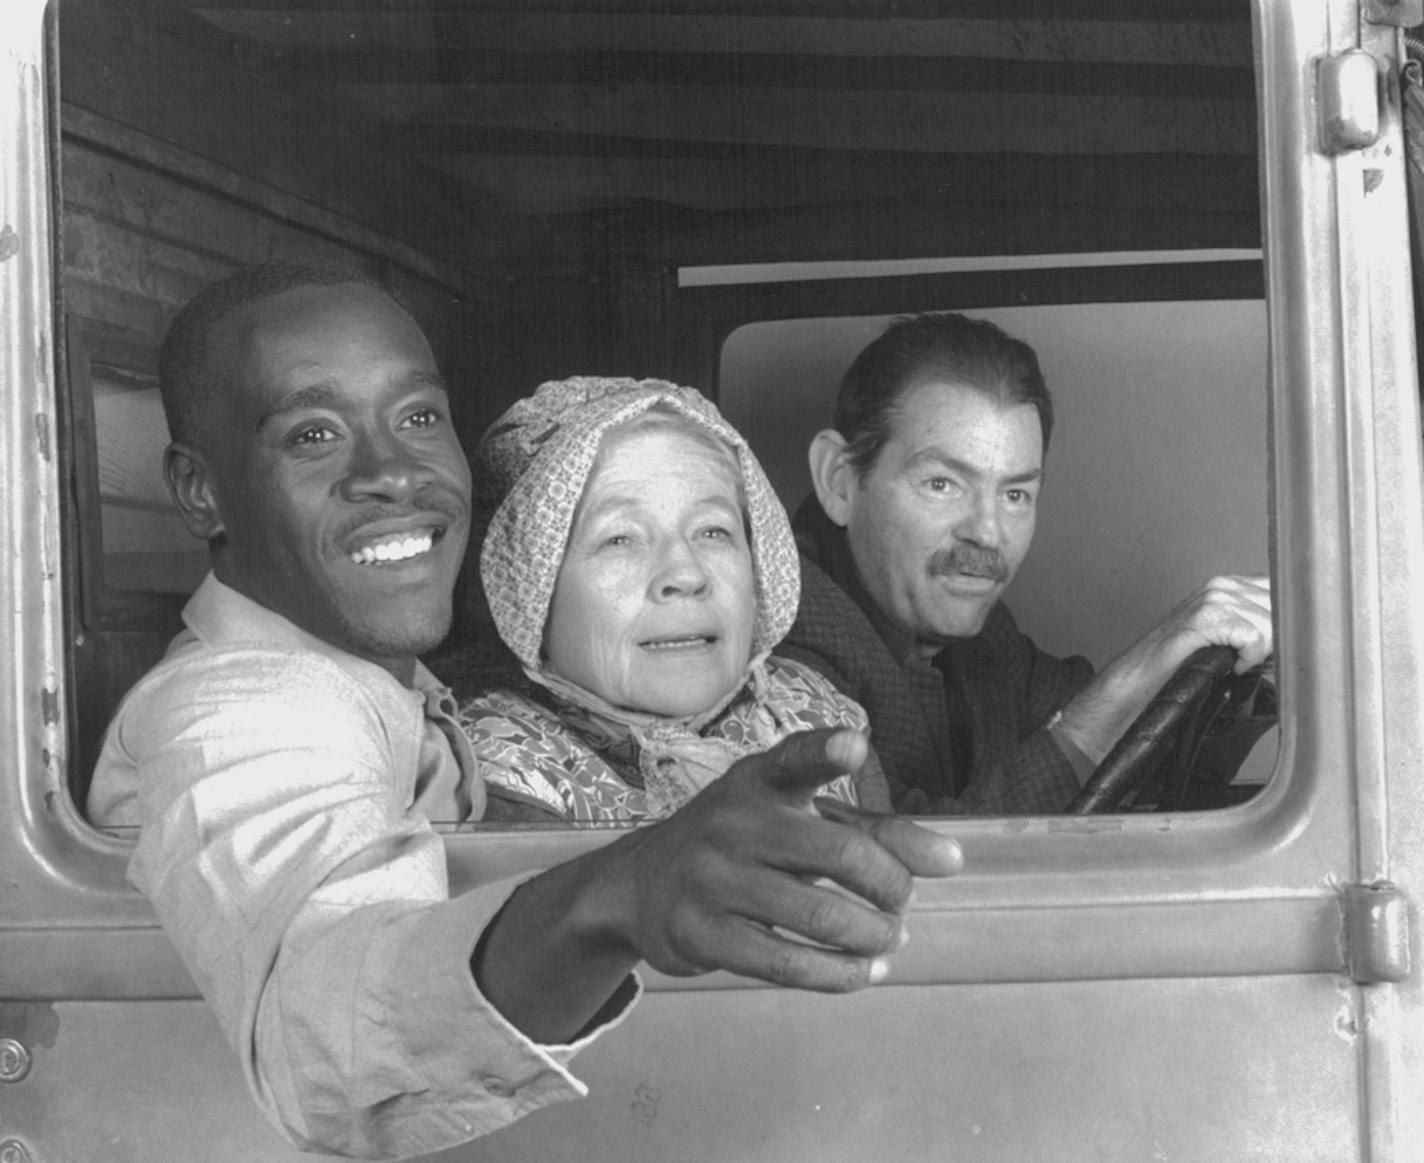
{"x": 1186, "y": 1070}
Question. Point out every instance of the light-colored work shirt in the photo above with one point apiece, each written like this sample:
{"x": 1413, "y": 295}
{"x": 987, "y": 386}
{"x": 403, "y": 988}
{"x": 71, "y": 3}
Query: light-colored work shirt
{"x": 283, "y": 790}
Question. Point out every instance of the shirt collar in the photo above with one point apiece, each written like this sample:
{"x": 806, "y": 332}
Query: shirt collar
{"x": 220, "y": 615}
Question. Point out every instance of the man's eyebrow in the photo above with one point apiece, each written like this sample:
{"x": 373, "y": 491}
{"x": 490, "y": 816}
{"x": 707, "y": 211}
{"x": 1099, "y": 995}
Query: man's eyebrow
{"x": 1025, "y": 478}
{"x": 312, "y": 396}
{"x": 964, "y": 468}
{"x": 324, "y": 394}
{"x": 427, "y": 380}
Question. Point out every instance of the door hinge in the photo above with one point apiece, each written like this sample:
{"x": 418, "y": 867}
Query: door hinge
{"x": 1400, "y": 13}
{"x": 1348, "y": 96}
{"x": 1376, "y": 933}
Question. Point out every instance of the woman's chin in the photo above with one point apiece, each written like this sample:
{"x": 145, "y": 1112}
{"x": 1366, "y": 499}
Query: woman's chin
{"x": 675, "y": 699}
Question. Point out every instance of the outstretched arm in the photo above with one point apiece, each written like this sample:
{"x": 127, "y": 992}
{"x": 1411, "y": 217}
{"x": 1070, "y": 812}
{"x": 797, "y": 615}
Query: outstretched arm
{"x": 728, "y": 882}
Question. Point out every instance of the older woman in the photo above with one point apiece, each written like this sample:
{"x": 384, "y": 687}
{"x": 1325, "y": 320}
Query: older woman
{"x": 641, "y": 570}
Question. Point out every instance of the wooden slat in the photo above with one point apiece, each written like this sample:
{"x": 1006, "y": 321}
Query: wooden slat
{"x": 932, "y": 122}
{"x": 1179, "y": 40}
{"x": 926, "y": 227}
{"x": 433, "y": 140}
{"x": 752, "y": 71}
{"x": 566, "y": 183}
{"x": 303, "y": 141}
{"x": 1098, "y": 11}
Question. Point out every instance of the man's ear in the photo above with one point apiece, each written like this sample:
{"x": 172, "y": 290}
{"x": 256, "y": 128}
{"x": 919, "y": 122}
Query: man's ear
{"x": 190, "y": 484}
{"x": 832, "y": 474}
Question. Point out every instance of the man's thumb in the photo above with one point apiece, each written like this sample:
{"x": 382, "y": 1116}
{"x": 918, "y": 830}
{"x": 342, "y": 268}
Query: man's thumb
{"x": 809, "y": 759}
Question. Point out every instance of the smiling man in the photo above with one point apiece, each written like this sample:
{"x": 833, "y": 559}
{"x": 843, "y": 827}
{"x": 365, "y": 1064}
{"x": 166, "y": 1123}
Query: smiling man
{"x": 284, "y": 760}
{"x": 345, "y": 510}
{"x": 925, "y": 505}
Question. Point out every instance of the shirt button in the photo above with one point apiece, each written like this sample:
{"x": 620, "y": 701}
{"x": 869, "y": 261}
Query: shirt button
{"x": 499, "y": 1087}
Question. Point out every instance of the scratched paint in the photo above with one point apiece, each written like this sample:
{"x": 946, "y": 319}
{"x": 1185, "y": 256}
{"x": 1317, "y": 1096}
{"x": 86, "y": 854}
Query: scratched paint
{"x": 644, "y": 1106}
{"x": 33, "y": 1024}
{"x": 9, "y": 243}
{"x": 1351, "y": 1019}
{"x": 42, "y": 440}
{"x": 51, "y": 706}
{"x": 1086, "y": 825}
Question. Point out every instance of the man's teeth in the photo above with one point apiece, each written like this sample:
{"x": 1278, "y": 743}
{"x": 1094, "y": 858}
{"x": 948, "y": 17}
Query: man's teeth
{"x": 398, "y": 550}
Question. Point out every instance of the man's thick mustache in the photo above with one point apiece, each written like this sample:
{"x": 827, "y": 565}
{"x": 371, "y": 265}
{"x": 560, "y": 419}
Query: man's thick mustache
{"x": 970, "y": 560}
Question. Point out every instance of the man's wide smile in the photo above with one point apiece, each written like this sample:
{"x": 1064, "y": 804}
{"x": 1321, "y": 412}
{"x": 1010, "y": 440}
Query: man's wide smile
{"x": 399, "y": 547}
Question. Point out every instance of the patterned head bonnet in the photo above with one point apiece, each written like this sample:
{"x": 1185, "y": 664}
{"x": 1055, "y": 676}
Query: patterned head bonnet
{"x": 538, "y": 457}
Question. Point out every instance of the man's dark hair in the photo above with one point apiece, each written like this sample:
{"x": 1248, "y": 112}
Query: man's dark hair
{"x": 188, "y": 379}
{"x": 949, "y": 346}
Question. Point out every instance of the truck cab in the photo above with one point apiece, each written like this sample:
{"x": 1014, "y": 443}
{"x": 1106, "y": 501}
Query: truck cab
{"x": 1203, "y": 218}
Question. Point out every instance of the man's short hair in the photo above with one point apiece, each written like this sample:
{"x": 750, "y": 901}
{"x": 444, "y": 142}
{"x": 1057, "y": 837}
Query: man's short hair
{"x": 188, "y": 378}
{"x": 949, "y": 346}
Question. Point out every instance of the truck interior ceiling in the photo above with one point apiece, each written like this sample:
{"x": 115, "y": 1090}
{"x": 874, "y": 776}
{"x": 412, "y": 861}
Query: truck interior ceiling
{"x": 732, "y": 194}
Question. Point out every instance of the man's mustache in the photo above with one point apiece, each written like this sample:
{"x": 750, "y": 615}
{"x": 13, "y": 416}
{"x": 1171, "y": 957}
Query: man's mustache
{"x": 971, "y": 561}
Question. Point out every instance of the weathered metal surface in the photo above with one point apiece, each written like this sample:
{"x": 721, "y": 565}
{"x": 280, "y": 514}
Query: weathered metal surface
{"x": 1250, "y": 1070}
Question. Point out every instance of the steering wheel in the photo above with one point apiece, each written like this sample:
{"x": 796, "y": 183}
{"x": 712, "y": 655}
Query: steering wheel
{"x": 1165, "y": 738}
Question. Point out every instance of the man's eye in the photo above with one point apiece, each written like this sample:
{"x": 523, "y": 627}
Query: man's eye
{"x": 1019, "y": 497}
{"x": 941, "y": 485}
{"x": 312, "y": 435}
{"x": 424, "y": 418}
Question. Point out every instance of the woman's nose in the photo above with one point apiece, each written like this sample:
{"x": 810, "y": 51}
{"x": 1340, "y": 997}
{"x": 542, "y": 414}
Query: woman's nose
{"x": 680, "y": 571}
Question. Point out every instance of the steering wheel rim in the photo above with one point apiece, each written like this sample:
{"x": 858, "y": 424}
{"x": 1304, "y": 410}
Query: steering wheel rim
{"x": 1135, "y": 756}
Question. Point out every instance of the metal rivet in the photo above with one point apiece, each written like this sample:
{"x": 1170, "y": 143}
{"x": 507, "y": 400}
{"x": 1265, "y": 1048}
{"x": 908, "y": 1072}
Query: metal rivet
{"x": 13, "y": 1151}
{"x": 14, "y": 1065}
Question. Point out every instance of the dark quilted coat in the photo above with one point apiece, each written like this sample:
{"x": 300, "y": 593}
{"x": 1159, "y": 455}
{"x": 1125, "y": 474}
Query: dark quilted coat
{"x": 964, "y": 733}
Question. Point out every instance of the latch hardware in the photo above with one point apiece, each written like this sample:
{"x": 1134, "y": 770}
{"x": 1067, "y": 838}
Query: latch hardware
{"x": 1376, "y": 933}
{"x": 1348, "y": 93}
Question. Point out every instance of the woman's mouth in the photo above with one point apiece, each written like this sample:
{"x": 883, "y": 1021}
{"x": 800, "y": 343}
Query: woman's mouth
{"x": 686, "y": 642}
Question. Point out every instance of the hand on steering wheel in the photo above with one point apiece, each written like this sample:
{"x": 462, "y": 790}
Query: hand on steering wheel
{"x": 1149, "y": 742}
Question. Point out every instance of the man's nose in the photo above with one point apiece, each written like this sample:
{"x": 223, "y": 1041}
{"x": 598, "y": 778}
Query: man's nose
{"x": 980, "y": 522}
{"x": 680, "y": 572}
{"x": 382, "y": 467}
